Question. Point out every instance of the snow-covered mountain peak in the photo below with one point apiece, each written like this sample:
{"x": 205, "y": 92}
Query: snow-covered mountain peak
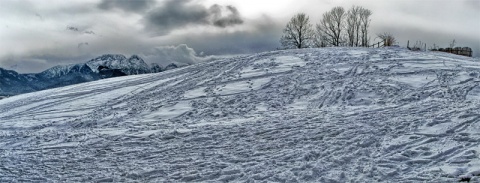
{"x": 107, "y": 59}
{"x": 137, "y": 61}
{"x": 135, "y": 57}
{"x": 57, "y": 71}
{"x": 130, "y": 66}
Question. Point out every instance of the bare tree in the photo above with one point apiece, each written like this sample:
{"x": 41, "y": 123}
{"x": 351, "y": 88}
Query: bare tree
{"x": 365, "y": 23}
{"x": 452, "y": 44}
{"x": 320, "y": 40}
{"x": 298, "y": 33}
{"x": 332, "y": 25}
{"x": 353, "y": 26}
{"x": 387, "y": 38}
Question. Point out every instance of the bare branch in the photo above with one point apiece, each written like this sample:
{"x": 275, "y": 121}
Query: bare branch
{"x": 332, "y": 25}
{"x": 388, "y": 38}
{"x": 298, "y": 33}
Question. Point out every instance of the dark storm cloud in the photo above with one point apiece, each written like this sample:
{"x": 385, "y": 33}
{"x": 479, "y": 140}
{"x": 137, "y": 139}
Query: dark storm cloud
{"x": 175, "y": 14}
{"x": 220, "y": 20}
{"x": 126, "y": 5}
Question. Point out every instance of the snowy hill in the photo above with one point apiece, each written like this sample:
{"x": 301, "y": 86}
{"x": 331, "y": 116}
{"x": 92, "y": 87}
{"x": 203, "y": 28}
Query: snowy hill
{"x": 312, "y": 115}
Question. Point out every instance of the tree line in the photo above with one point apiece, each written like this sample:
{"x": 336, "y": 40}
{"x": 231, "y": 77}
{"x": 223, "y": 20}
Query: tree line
{"x": 336, "y": 28}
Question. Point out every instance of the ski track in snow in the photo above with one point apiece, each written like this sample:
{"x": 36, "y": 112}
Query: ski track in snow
{"x": 313, "y": 115}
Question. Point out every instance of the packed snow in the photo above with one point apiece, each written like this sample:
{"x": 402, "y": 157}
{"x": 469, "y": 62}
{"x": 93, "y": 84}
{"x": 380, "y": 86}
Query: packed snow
{"x": 310, "y": 115}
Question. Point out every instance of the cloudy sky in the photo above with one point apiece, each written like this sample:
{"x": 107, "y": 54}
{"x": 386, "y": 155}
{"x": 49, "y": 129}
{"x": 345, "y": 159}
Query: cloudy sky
{"x": 36, "y": 35}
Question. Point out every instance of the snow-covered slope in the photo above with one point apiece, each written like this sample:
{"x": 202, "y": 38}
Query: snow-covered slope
{"x": 312, "y": 115}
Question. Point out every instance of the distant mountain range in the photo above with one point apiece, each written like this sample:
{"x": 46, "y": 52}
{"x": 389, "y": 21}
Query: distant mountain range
{"x": 105, "y": 66}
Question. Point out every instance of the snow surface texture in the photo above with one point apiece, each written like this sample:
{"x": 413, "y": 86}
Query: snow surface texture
{"x": 313, "y": 115}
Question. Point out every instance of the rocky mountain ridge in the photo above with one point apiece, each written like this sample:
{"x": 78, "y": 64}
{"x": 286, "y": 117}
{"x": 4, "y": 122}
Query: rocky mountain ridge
{"x": 13, "y": 83}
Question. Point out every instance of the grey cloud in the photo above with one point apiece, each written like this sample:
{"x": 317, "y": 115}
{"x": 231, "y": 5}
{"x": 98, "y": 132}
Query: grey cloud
{"x": 181, "y": 54}
{"x": 72, "y": 28}
{"x": 263, "y": 36}
{"x": 473, "y": 4}
{"x": 25, "y": 65}
{"x": 126, "y": 5}
{"x": 39, "y": 62}
{"x": 175, "y": 14}
{"x": 82, "y": 44}
{"x": 39, "y": 16}
{"x": 77, "y": 29}
{"x": 232, "y": 18}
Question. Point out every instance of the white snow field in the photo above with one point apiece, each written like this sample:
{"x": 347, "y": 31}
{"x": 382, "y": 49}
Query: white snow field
{"x": 312, "y": 115}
